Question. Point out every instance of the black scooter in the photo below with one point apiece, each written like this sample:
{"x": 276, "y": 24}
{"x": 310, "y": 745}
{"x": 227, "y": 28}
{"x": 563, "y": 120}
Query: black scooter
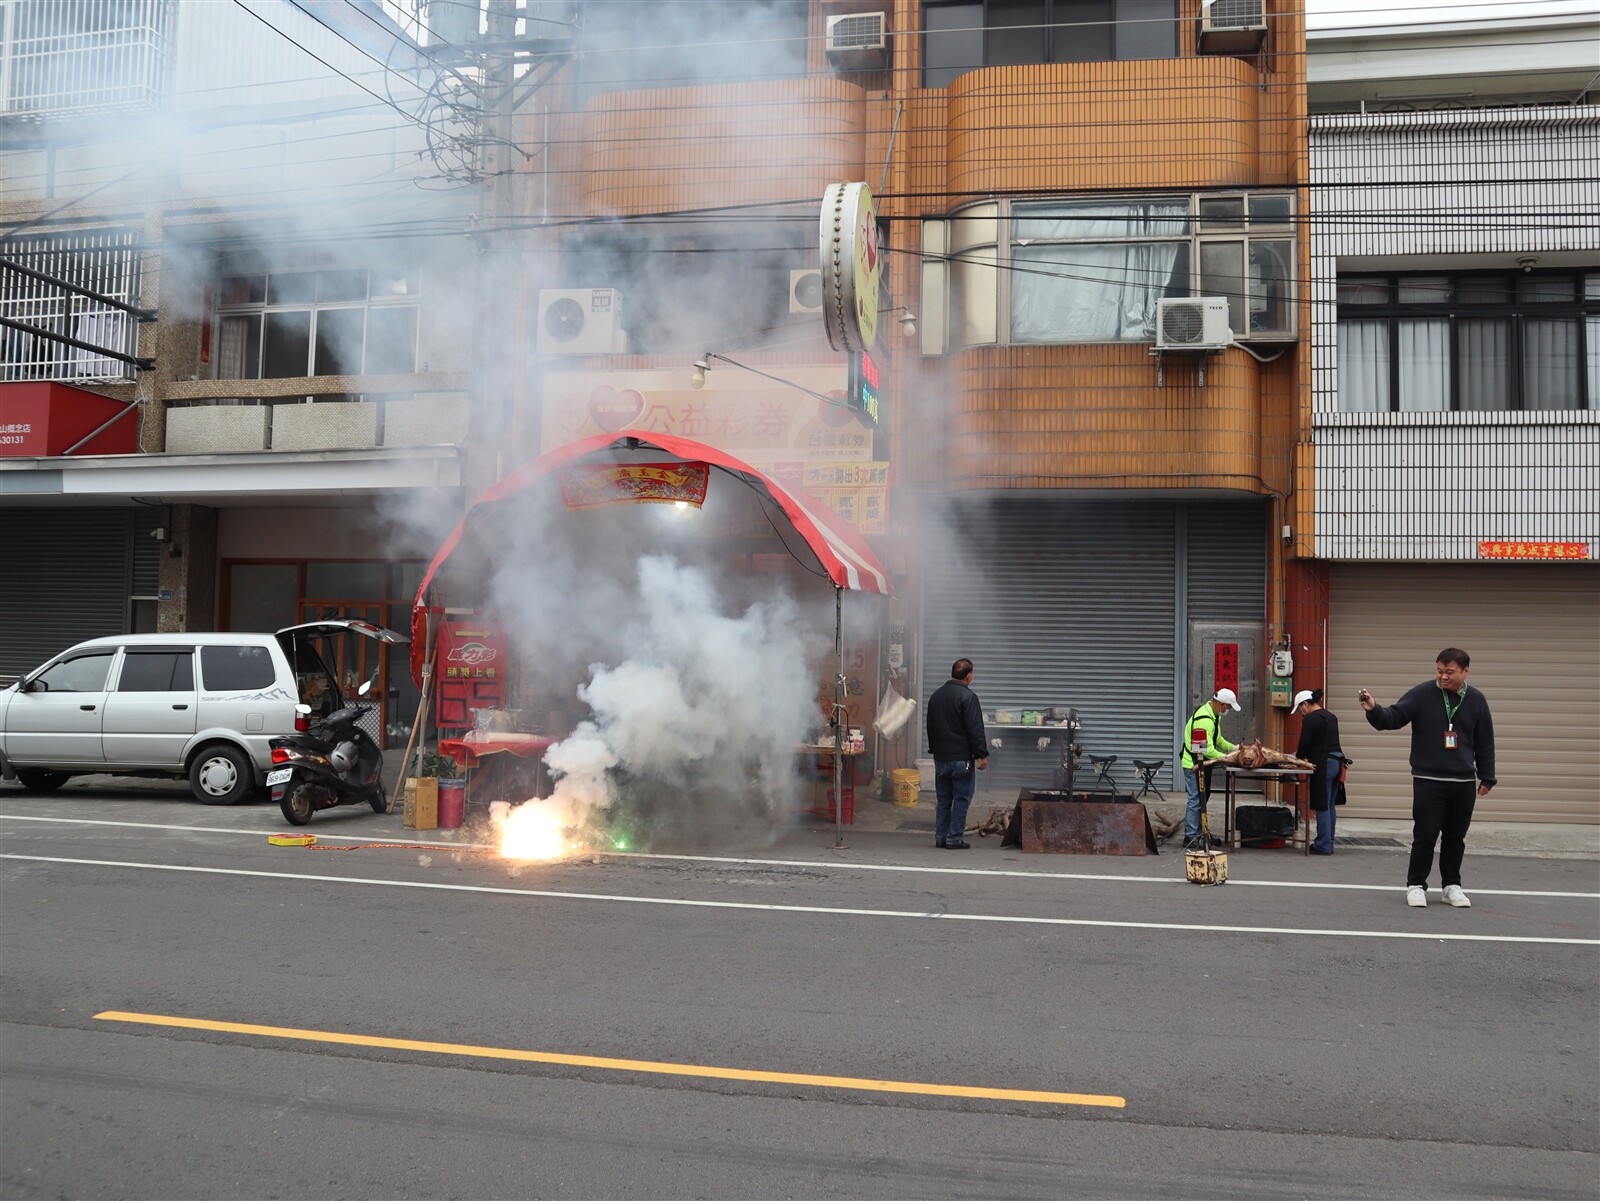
{"x": 332, "y": 761}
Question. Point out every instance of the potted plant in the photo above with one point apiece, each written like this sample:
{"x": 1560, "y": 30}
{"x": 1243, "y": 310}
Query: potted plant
{"x": 422, "y": 791}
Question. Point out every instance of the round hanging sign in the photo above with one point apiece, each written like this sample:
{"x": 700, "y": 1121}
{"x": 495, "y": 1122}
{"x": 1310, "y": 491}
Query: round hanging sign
{"x": 852, "y": 267}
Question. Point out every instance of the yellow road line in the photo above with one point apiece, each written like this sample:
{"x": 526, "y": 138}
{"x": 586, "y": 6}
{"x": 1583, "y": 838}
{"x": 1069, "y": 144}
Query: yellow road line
{"x": 704, "y": 1071}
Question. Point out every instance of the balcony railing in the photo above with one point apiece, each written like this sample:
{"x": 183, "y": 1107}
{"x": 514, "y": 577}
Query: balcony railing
{"x": 103, "y": 261}
{"x": 68, "y": 57}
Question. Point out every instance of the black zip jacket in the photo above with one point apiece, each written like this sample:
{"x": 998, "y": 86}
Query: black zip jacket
{"x": 1319, "y": 738}
{"x": 1423, "y": 710}
{"x": 955, "y": 723}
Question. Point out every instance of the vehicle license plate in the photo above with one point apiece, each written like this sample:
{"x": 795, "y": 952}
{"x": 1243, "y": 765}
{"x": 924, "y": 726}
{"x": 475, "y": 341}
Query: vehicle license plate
{"x": 281, "y": 776}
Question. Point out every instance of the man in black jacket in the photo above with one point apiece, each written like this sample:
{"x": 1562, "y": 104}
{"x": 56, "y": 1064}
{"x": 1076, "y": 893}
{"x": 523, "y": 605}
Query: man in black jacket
{"x": 956, "y": 741}
{"x": 1452, "y": 764}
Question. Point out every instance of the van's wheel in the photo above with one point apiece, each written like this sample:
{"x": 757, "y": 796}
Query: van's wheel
{"x": 297, "y": 807}
{"x": 221, "y": 775}
{"x": 42, "y": 781}
{"x": 379, "y": 802}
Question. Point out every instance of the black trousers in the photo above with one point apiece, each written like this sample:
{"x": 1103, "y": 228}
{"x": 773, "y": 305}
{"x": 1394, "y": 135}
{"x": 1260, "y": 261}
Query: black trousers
{"x": 1441, "y": 811}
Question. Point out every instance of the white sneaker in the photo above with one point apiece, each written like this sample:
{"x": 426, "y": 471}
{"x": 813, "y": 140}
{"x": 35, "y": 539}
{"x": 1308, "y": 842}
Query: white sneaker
{"x": 1417, "y": 897}
{"x": 1454, "y": 896}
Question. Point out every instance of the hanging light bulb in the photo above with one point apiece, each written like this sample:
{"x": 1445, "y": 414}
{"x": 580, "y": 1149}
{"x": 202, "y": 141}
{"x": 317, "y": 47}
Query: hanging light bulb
{"x": 698, "y": 379}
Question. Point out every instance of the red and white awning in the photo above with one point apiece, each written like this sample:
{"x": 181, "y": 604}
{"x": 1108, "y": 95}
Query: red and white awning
{"x": 847, "y": 560}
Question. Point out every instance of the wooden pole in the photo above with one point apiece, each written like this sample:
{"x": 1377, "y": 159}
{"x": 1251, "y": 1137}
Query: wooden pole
{"x": 416, "y": 738}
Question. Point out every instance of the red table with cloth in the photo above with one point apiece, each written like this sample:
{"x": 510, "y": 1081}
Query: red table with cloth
{"x": 498, "y": 780}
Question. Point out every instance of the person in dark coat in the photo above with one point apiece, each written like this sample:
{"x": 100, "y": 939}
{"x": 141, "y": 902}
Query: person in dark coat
{"x": 957, "y": 742}
{"x": 1319, "y": 746}
{"x": 1452, "y": 765}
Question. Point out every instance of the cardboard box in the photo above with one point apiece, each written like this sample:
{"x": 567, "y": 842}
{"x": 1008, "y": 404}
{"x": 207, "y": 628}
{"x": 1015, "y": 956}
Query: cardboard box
{"x": 422, "y": 804}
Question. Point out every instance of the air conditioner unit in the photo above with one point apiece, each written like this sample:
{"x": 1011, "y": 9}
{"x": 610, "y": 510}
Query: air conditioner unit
{"x": 1200, "y": 323}
{"x": 805, "y": 291}
{"x": 1232, "y": 26}
{"x": 580, "y": 321}
{"x": 858, "y": 41}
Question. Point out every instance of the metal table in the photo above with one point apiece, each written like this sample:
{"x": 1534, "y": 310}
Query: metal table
{"x": 1059, "y": 732}
{"x": 1294, "y": 778}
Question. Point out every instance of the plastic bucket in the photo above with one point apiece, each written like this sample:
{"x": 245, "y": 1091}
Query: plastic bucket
{"x": 907, "y": 784}
{"x": 452, "y": 803}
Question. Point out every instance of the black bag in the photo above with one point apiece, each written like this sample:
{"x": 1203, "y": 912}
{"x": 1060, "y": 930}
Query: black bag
{"x": 1263, "y": 825}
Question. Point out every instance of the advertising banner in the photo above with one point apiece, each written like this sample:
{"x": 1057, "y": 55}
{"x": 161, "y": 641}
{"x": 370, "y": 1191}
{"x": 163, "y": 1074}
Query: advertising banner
{"x": 588, "y": 485}
{"x": 471, "y": 671}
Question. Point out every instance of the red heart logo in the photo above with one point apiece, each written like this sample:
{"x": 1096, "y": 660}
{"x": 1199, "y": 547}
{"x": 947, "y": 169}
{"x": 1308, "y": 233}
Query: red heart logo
{"x": 613, "y": 410}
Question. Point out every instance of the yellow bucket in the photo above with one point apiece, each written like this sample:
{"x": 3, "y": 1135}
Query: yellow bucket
{"x": 907, "y": 784}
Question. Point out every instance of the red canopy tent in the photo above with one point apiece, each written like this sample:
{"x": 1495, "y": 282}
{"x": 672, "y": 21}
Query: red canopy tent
{"x": 842, "y": 554}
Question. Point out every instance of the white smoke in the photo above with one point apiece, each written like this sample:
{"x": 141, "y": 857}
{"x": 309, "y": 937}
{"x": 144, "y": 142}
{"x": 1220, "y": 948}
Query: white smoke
{"x": 693, "y": 733}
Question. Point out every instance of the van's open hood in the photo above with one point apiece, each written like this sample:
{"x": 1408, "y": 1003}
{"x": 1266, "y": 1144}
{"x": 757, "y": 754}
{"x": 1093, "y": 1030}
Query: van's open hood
{"x": 322, "y": 629}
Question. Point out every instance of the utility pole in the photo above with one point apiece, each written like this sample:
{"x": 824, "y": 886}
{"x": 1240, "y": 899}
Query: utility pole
{"x": 496, "y": 355}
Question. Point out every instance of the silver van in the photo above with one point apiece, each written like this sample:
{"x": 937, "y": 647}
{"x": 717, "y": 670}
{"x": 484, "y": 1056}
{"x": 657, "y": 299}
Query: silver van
{"x": 196, "y": 705}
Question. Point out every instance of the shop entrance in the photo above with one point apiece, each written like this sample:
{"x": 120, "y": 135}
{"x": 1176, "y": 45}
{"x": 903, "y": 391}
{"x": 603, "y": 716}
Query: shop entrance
{"x": 269, "y": 594}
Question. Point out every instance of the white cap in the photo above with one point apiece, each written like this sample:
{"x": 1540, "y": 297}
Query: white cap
{"x": 1301, "y": 698}
{"x": 1226, "y": 696}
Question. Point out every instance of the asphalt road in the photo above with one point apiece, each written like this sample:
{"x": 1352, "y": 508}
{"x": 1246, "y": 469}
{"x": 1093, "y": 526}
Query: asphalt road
{"x": 885, "y": 1020}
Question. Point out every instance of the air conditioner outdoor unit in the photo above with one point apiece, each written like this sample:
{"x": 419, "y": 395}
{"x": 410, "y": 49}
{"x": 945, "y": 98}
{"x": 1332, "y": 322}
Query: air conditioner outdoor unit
{"x": 580, "y": 321}
{"x": 858, "y": 41}
{"x": 1200, "y": 323}
{"x": 805, "y": 291}
{"x": 1232, "y": 26}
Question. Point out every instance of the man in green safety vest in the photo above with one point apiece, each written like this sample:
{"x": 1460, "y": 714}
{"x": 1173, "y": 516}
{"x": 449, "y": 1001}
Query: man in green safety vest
{"x": 1202, "y": 741}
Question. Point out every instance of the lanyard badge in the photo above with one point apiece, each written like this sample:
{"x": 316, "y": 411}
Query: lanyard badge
{"x": 1450, "y": 717}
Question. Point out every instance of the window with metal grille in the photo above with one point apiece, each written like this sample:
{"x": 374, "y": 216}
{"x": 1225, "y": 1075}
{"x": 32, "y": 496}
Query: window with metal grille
{"x": 1478, "y": 341}
{"x": 61, "y": 57}
{"x": 103, "y": 261}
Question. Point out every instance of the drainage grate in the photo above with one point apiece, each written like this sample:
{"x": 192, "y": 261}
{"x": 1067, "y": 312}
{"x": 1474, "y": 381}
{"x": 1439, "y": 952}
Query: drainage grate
{"x": 1367, "y": 842}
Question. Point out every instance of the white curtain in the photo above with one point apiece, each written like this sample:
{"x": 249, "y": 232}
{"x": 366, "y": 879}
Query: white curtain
{"x": 1483, "y": 355}
{"x": 1424, "y": 365}
{"x": 231, "y": 347}
{"x": 107, "y": 329}
{"x": 1089, "y": 293}
{"x": 1594, "y": 362}
{"x": 1093, "y": 291}
{"x": 1364, "y": 366}
{"x": 1550, "y": 377}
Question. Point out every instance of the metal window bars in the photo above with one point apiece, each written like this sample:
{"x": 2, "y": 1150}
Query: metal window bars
{"x": 104, "y": 261}
{"x": 69, "y": 57}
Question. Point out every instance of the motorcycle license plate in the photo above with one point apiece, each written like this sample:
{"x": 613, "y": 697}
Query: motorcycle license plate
{"x": 281, "y": 776}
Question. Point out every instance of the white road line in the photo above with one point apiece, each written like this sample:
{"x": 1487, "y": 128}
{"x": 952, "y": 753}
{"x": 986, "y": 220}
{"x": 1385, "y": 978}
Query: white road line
{"x": 841, "y": 865}
{"x": 1005, "y": 919}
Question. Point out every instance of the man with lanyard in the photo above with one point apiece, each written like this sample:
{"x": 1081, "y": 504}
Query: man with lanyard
{"x": 1202, "y": 741}
{"x": 1452, "y": 764}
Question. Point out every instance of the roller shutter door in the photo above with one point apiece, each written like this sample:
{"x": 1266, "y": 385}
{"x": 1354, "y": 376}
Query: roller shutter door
{"x": 68, "y": 576}
{"x": 1533, "y": 632}
{"x": 1063, "y": 602}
